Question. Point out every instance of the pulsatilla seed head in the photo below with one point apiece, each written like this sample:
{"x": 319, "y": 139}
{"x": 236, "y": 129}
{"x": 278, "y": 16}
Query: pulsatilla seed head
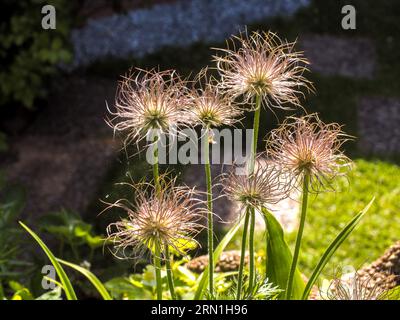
{"x": 169, "y": 217}
{"x": 208, "y": 106}
{"x": 149, "y": 101}
{"x": 355, "y": 287}
{"x": 306, "y": 145}
{"x": 261, "y": 64}
{"x": 266, "y": 186}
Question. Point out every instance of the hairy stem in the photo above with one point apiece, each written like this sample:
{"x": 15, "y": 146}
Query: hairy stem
{"x": 266, "y": 245}
{"x": 243, "y": 254}
{"x": 252, "y": 266}
{"x": 210, "y": 229}
{"x": 289, "y": 288}
{"x": 253, "y": 153}
{"x": 170, "y": 277}
{"x": 157, "y": 255}
{"x": 156, "y": 174}
{"x": 157, "y": 267}
{"x": 256, "y": 125}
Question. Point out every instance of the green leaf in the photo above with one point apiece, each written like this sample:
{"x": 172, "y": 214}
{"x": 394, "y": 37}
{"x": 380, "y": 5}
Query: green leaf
{"x": 10, "y": 209}
{"x": 94, "y": 241}
{"x": 218, "y": 250}
{"x": 279, "y": 258}
{"x": 184, "y": 245}
{"x": 54, "y": 294}
{"x": 81, "y": 229}
{"x": 125, "y": 288}
{"x": 23, "y": 294}
{"x": 341, "y": 237}
{"x": 91, "y": 277}
{"x": 69, "y": 227}
{"x": 69, "y": 290}
{"x": 391, "y": 294}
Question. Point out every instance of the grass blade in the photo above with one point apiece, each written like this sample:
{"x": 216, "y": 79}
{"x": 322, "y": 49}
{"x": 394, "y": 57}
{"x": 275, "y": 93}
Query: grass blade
{"x": 341, "y": 237}
{"x": 217, "y": 252}
{"x": 391, "y": 294}
{"x": 91, "y": 277}
{"x": 67, "y": 286}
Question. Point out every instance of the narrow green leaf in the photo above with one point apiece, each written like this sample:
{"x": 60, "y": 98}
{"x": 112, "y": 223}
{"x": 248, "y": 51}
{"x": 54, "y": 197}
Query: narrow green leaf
{"x": 51, "y": 295}
{"x": 91, "y": 277}
{"x": 217, "y": 252}
{"x": 336, "y": 243}
{"x": 279, "y": 258}
{"x": 391, "y": 294}
{"x": 69, "y": 290}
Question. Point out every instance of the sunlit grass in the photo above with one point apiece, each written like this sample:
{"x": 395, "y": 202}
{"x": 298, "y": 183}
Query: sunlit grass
{"x": 329, "y": 212}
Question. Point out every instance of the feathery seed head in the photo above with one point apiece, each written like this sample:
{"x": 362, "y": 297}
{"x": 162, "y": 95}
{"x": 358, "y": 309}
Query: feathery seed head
{"x": 168, "y": 218}
{"x": 265, "y": 187}
{"x": 354, "y": 287}
{"x": 264, "y": 66}
{"x": 208, "y": 106}
{"x": 146, "y": 101}
{"x": 307, "y": 145}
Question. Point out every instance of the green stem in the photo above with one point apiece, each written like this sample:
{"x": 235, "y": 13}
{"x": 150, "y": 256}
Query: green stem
{"x": 156, "y": 174}
{"x": 289, "y": 288}
{"x": 243, "y": 254}
{"x": 157, "y": 255}
{"x": 157, "y": 267}
{"x": 253, "y": 153}
{"x": 256, "y": 125}
{"x": 266, "y": 245}
{"x": 210, "y": 229}
{"x": 252, "y": 266}
{"x": 170, "y": 277}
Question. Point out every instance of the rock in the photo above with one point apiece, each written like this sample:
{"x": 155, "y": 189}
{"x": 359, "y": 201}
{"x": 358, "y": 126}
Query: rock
{"x": 371, "y": 282}
{"x": 182, "y": 23}
{"x": 228, "y": 261}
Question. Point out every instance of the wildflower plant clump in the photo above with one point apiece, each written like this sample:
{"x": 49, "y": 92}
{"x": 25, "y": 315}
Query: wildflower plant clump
{"x": 163, "y": 219}
{"x": 309, "y": 151}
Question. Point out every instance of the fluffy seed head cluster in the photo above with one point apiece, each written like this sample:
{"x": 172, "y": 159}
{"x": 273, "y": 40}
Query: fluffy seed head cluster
{"x": 264, "y": 187}
{"x": 149, "y": 101}
{"x": 167, "y": 218}
{"x": 355, "y": 287}
{"x": 307, "y": 145}
{"x": 208, "y": 106}
{"x": 264, "y": 66}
